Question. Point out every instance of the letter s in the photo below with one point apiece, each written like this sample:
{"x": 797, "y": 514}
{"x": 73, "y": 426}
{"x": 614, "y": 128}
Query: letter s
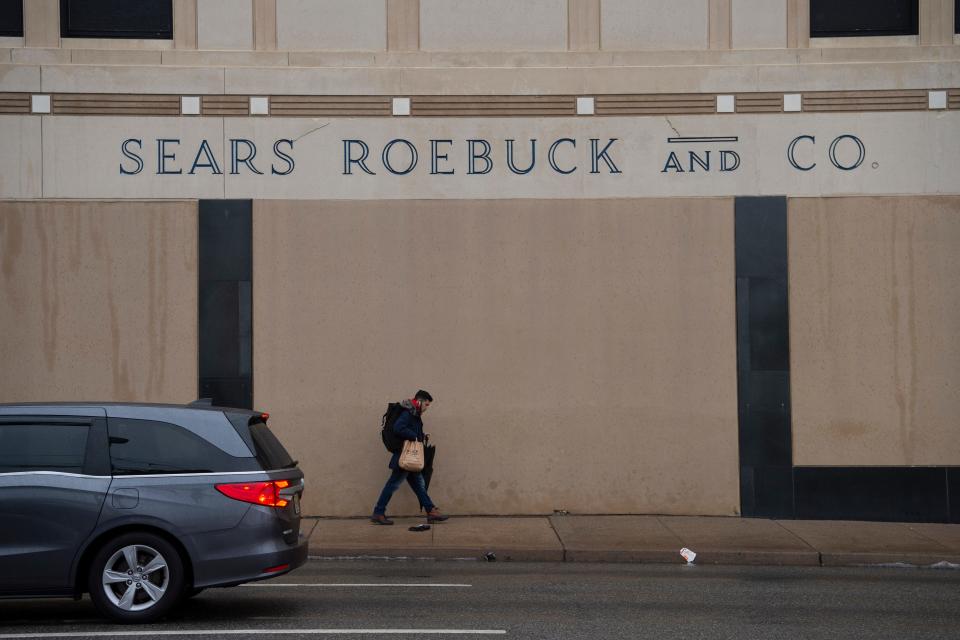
{"x": 127, "y": 153}
{"x": 282, "y": 156}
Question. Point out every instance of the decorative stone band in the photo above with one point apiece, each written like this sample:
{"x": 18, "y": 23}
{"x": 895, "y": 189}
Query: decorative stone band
{"x": 866, "y": 100}
{"x": 224, "y": 105}
{"x": 93, "y": 104}
{"x": 493, "y": 106}
{"x": 105, "y": 104}
{"x": 14, "y": 103}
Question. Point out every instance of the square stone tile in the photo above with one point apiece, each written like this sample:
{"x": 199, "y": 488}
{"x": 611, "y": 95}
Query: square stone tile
{"x": 870, "y": 537}
{"x": 361, "y": 534}
{"x": 947, "y": 535}
{"x": 479, "y": 535}
{"x": 617, "y": 539}
{"x": 733, "y": 533}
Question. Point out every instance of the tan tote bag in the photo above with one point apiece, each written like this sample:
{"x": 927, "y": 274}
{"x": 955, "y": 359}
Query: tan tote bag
{"x": 411, "y": 458}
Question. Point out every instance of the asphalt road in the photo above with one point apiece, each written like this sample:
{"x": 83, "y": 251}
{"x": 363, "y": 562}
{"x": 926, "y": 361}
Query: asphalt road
{"x": 514, "y": 600}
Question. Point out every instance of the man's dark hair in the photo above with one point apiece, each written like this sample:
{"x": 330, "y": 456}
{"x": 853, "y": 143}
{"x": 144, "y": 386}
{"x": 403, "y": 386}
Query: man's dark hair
{"x": 423, "y": 395}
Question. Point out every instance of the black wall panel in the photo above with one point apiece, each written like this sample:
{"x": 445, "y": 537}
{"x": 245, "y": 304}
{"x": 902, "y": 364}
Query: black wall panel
{"x": 226, "y": 302}
{"x": 953, "y": 494}
{"x": 11, "y": 18}
{"x": 150, "y": 19}
{"x": 763, "y": 357}
{"x": 901, "y": 494}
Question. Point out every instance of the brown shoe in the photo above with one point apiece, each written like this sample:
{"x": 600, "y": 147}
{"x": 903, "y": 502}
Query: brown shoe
{"x": 379, "y": 518}
{"x": 434, "y": 515}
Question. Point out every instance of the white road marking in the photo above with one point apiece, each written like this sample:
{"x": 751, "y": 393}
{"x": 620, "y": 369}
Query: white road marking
{"x": 434, "y": 585}
{"x": 259, "y": 632}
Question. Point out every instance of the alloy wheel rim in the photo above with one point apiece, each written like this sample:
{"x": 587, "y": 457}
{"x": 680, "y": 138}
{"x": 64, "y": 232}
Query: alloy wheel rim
{"x": 135, "y": 577}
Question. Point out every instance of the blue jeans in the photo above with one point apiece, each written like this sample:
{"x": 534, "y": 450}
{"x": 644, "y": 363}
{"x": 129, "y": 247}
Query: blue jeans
{"x": 415, "y": 480}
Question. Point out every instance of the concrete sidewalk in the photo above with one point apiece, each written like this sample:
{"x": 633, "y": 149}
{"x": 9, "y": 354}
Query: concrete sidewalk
{"x": 657, "y": 539}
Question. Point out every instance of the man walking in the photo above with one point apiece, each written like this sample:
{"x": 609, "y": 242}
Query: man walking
{"x": 409, "y": 426}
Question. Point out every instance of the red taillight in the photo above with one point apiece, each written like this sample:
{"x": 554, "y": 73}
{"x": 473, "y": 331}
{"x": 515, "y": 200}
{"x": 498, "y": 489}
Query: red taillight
{"x": 281, "y": 567}
{"x": 263, "y": 493}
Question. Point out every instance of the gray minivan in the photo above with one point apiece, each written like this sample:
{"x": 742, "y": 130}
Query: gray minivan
{"x": 142, "y": 505}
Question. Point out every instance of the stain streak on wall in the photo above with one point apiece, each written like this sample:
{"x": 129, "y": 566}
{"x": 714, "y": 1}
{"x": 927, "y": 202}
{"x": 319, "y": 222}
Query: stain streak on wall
{"x": 100, "y": 301}
{"x": 874, "y": 315}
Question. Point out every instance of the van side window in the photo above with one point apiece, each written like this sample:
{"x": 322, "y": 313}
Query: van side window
{"x": 42, "y": 447}
{"x": 139, "y": 447}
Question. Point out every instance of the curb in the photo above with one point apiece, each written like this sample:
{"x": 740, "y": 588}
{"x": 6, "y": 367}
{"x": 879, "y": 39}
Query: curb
{"x": 503, "y": 554}
{"x": 726, "y": 557}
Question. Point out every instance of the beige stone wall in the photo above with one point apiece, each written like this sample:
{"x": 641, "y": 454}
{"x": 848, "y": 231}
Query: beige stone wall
{"x": 758, "y": 24}
{"x": 874, "y": 320}
{"x": 225, "y": 24}
{"x": 99, "y": 301}
{"x": 344, "y": 25}
{"x": 582, "y": 352}
{"x": 493, "y": 25}
{"x": 897, "y": 152}
{"x": 632, "y": 25}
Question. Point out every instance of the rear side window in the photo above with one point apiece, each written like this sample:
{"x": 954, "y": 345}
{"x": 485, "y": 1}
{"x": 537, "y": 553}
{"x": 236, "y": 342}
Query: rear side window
{"x": 266, "y": 447}
{"x": 42, "y": 447}
{"x": 269, "y": 451}
{"x": 139, "y": 447}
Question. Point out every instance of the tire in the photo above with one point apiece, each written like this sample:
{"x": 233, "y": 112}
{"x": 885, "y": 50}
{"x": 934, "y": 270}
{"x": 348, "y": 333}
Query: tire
{"x": 136, "y": 577}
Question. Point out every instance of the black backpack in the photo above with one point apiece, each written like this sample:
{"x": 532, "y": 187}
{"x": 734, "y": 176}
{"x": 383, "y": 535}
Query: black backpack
{"x": 391, "y": 440}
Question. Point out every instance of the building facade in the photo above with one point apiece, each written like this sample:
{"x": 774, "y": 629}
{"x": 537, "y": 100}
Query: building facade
{"x": 685, "y": 257}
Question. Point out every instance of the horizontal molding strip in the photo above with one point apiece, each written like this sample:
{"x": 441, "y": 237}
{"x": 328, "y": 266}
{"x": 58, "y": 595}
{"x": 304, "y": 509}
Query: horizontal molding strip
{"x": 759, "y": 102}
{"x": 865, "y": 101}
{"x": 78, "y": 104}
{"x": 656, "y": 104}
{"x": 498, "y": 106}
{"x": 308, "y": 106}
{"x": 14, "y": 103}
{"x": 313, "y": 106}
{"x": 225, "y": 105}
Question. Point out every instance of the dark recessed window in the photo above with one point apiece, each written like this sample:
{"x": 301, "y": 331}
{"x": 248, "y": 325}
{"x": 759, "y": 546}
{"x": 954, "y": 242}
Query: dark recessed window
{"x": 832, "y": 18}
{"x": 11, "y": 18}
{"x": 151, "y": 19}
{"x": 956, "y": 16}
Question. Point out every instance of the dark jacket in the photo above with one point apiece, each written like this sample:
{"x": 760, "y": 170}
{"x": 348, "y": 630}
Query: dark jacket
{"x": 409, "y": 427}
